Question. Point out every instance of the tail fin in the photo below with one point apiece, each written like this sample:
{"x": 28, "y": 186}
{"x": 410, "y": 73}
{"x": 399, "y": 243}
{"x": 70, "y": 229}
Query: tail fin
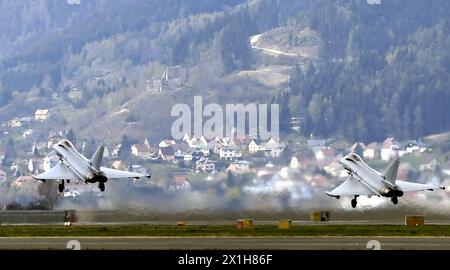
{"x": 97, "y": 158}
{"x": 390, "y": 174}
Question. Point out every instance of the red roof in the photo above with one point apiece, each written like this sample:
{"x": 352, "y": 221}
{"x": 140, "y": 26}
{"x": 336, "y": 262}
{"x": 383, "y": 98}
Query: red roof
{"x": 388, "y": 143}
{"x": 142, "y": 148}
{"x": 372, "y": 146}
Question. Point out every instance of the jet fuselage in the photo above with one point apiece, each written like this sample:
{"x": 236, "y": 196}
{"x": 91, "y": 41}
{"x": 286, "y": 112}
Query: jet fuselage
{"x": 368, "y": 177}
{"x": 78, "y": 164}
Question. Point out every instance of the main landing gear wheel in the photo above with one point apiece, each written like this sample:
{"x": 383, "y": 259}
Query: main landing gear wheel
{"x": 394, "y": 200}
{"x": 101, "y": 186}
{"x": 354, "y": 203}
{"x": 61, "y": 187}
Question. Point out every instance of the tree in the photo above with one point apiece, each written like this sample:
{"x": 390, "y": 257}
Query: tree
{"x": 49, "y": 193}
{"x": 285, "y": 112}
{"x": 36, "y": 152}
{"x": 418, "y": 122}
{"x": 125, "y": 149}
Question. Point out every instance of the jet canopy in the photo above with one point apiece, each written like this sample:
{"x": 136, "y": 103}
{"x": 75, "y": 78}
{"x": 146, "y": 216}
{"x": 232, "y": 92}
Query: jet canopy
{"x": 353, "y": 157}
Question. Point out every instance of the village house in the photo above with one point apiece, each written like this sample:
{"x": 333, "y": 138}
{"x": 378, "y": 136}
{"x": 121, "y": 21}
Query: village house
{"x": 295, "y": 163}
{"x": 389, "y": 149}
{"x": 416, "y": 146}
{"x": 27, "y": 133}
{"x": 240, "y": 166}
{"x": 254, "y": 147}
{"x": 186, "y": 138}
{"x": 324, "y": 153}
{"x": 214, "y": 146}
{"x": 181, "y": 148}
{"x": 240, "y": 143}
{"x": 192, "y": 142}
{"x": 42, "y": 115}
{"x": 115, "y": 151}
{"x": 35, "y": 164}
{"x": 187, "y": 157}
{"x": 371, "y": 151}
{"x": 166, "y": 143}
{"x": 180, "y": 183}
{"x": 358, "y": 148}
{"x": 141, "y": 151}
{"x": 118, "y": 165}
{"x": 230, "y": 153}
{"x": 315, "y": 144}
{"x": 166, "y": 153}
{"x": 273, "y": 148}
{"x": 15, "y": 122}
{"x": 205, "y": 165}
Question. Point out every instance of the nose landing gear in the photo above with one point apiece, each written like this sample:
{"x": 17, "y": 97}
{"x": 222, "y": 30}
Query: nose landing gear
{"x": 101, "y": 186}
{"x": 394, "y": 200}
{"x": 354, "y": 202}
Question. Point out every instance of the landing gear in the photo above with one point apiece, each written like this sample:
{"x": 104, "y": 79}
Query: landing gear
{"x": 354, "y": 202}
{"x": 394, "y": 200}
{"x": 101, "y": 186}
{"x": 61, "y": 187}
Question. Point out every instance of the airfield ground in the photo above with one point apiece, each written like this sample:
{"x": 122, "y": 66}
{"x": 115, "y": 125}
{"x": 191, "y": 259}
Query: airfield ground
{"x": 224, "y": 237}
{"x": 220, "y": 231}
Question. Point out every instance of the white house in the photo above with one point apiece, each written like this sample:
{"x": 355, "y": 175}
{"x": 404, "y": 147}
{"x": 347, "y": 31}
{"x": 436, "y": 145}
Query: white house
{"x": 140, "y": 151}
{"x": 186, "y": 138}
{"x": 42, "y": 115}
{"x": 254, "y": 147}
{"x": 180, "y": 183}
{"x": 389, "y": 149}
{"x": 414, "y": 146}
{"x": 115, "y": 151}
{"x": 215, "y": 146}
{"x": 205, "y": 165}
{"x": 273, "y": 148}
{"x": 188, "y": 157}
{"x": 166, "y": 143}
{"x": 240, "y": 166}
{"x": 27, "y": 133}
{"x": 15, "y": 122}
{"x": 229, "y": 153}
{"x": 371, "y": 151}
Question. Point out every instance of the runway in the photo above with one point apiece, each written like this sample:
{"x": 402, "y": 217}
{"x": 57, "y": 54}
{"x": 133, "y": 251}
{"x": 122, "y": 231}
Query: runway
{"x": 224, "y": 243}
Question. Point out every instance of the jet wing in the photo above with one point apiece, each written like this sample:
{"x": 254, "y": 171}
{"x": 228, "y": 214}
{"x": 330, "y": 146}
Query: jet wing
{"x": 351, "y": 187}
{"x": 59, "y": 172}
{"x": 116, "y": 174}
{"x": 411, "y": 187}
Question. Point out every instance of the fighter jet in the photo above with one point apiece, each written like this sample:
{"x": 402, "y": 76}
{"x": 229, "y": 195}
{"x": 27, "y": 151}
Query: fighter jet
{"x": 365, "y": 181}
{"x": 74, "y": 166}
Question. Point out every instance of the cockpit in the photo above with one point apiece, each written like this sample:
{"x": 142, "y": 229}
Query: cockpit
{"x": 65, "y": 144}
{"x": 353, "y": 157}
